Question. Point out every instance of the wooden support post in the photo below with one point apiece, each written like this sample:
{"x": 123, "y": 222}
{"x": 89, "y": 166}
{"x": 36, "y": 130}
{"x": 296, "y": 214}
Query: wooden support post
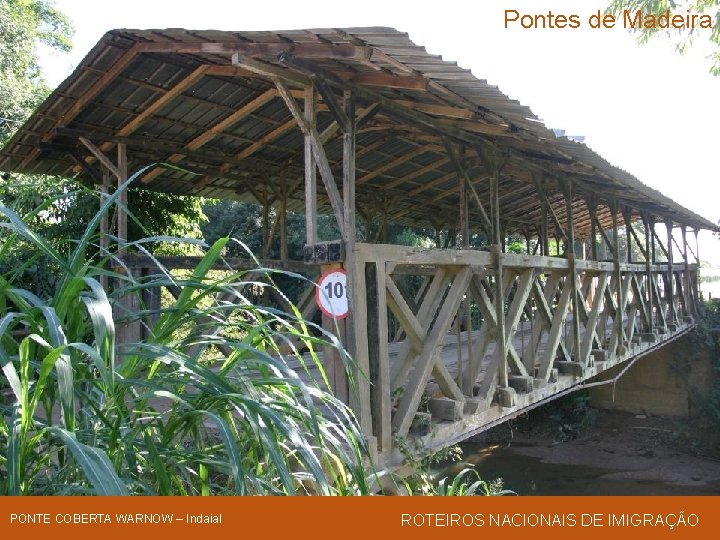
{"x": 310, "y": 172}
{"x": 572, "y": 271}
{"x": 282, "y": 216}
{"x": 686, "y": 274}
{"x": 104, "y": 222}
{"x": 653, "y": 234}
{"x": 123, "y": 199}
{"x": 349, "y": 227}
{"x": 378, "y": 358}
{"x": 463, "y": 212}
{"x": 618, "y": 317}
{"x": 309, "y": 130}
{"x": 502, "y": 350}
{"x": 265, "y": 219}
{"x": 696, "y": 276}
{"x": 648, "y": 275}
{"x": 545, "y": 232}
{"x": 359, "y": 395}
{"x": 670, "y": 293}
{"x": 332, "y": 363}
{"x": 628, "y": 234}
{"x": 593, "y": 231}
{"x": 349, "y": 173}
{"x": 128, "y": 304}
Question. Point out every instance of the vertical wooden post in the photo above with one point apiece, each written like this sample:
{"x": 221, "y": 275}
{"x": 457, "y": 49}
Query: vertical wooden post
{"x": 310, "y": 172}
{"x": 617, "y": 319}
{"x": 104, "y": 221}
{"x": 627, "y": 215}
{"x": 349, "y": 173}
{"x": 696, "y": 273}
{"x": 686, "y": 274}
{"x": 544, "y": 227}
{"x": 648, "y": 273}
{"x": 283, "y": 221}
{"x": 528, "y": 247}
{"x": 502, "y": 350}
{"x": 593, "y": 229}
{"x": 123, "y": 199}
{"x": 572, "y": 271}
{"x": 464, "y": 220}
{"x": 671, "y": 275}
{"x": 347, "y": 327}
{"x": 127, "y": 331}
{"x": 651, "y": 227}
{"x": 265, "y": 219}
{"x": 378, "y": 359}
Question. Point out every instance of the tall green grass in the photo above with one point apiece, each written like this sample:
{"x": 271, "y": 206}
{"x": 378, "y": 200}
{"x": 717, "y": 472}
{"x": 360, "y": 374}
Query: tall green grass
{"x": 168, "y": 414}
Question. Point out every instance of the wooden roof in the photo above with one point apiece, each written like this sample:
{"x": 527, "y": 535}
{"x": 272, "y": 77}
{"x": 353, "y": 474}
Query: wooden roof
{"x": 176, "y": 96}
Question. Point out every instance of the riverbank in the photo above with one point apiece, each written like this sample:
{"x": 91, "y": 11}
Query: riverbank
{"x": 620, "y": 454}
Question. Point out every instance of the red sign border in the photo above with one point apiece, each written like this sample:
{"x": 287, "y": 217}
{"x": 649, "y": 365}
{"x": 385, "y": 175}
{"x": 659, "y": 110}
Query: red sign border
{"x": 317, "y": 294}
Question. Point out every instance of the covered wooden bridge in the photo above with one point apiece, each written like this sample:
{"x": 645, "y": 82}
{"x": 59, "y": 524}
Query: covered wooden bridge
{"x": 364, "y": 125}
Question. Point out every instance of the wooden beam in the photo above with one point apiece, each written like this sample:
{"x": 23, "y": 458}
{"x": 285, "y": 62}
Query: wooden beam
{"x": 438, "y": 110}
{"x": 410, "y": 400}
{"x": 344, "y": 51}
{"x": 388, "y": 80}
{"x": 121, "y": 211}
{"x": 572, "y": 268}
{"x": 311, "y": 134}
{"x": 432, "y": 183}
{"x": 462, "y": 172}
{"x": 270, "y": 71}
{"x": 415, "y": 174}
{"x": 670, "y": 289}
{"x": 618, "y": 336}
{"x": 392, "y": 164}
{"x": 163, "y": 100}
{"x": 336, "y": 110}
{"x": 209, "y": 134}
{"x": 310, "y": 172}
{"x": 243, "y": 112}
{"x": 101, "y": 157}
{"x": 268, "y": 137}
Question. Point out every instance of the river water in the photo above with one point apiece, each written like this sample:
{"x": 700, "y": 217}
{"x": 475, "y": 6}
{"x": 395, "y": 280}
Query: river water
{"x": 531, "y": 476}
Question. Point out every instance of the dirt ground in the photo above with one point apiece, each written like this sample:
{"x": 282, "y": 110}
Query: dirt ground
{"x": 627, "y": 446}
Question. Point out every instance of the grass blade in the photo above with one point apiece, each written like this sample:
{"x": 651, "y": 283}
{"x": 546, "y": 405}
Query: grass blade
{"x": 94, "y": 463}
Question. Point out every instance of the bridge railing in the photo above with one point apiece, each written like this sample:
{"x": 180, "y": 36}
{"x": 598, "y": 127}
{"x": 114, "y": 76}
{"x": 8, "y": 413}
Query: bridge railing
{"x": 443, "y": 334}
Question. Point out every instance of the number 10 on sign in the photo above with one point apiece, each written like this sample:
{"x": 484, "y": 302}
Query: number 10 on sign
{"x": 331, "y": 294}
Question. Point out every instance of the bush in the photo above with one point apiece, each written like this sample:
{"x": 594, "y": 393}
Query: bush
{"x": 167, "y": 415}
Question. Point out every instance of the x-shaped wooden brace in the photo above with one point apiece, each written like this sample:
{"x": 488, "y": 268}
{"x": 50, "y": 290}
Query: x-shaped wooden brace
{"x": 427, "y": 360}
{"x": 489, "y": 328}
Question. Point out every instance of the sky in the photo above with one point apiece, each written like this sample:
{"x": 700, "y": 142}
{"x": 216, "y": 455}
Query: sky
{"x": 644, "y": 108}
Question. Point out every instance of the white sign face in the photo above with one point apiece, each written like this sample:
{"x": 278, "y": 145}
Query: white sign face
{"x": 331, "y": 294}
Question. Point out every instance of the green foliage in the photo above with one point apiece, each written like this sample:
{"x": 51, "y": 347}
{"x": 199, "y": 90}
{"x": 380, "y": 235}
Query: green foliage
{"x": 468, "y": 482}
{"x": 683, "y": 38}
{"x": 24, "y": 26}
{"x": 60, "y": 211}
{"x": 706, "y": 337}
{"x": 563, "y": 419}
{"x": 515, "y": 245}
{"x": 78, "y": 414}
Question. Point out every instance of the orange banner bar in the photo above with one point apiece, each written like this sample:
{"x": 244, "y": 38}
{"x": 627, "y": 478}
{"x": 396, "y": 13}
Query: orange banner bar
{"x": 135, "y": 518}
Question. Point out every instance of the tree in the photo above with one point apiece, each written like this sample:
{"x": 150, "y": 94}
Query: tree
{"x": 684, "y": 37}
{"x": 25, "y": 26}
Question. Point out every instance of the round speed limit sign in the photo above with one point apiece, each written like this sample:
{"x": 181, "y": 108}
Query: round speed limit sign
{"x": 331, "y": 294}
